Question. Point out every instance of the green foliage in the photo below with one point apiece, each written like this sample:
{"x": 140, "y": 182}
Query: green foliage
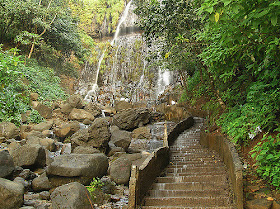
{"x": 18, "y": 80}
{"x": 267, "y": 155}
{"x": 95, "y": 185}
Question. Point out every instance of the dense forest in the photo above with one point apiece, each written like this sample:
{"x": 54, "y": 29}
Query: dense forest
{"x": 227, "y": 52}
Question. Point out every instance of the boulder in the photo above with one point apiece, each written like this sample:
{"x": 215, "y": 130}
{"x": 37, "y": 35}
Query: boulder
{"x": 11, "y": 194}
{"x": 99, "y": 133}
{"x": 76, "y": 101}
{"x": 43, "y": 126}
{"x": 120, "y": 170}
{"x": 93, "y": 109}
{"x": 44, "y": 111}
{"x": 80, "y": 138}
{"x": 22, "y": 181}
{"x": 85, "y": 150}
{"x": 66, "y": 108}
{"x": 122, "y": 105}
{"x": 71, "y": 196}
{"x": 9, "y": 130}
{"x": 173, "y": 112}
{"x": 259, "y": 204}
{"x": 132, "y": 118}
{"x": 41, "y": 183}
{"x": 48, "y": 144}
{"x": 80, "y": 115}
{"x": 67, "y": 129}
{"x": 108, "y": 111}
{"x": 77, "y": 167}
{"x": 138, "y": 145}
{"x": 29, "y": 155}
{"x": 120, "y": 138}
{"x": 6, "y": 164}
{"x": 142, "y": 133}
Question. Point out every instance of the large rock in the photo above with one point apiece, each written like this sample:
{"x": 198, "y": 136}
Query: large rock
{"x": 259, "y": 204}
{"x": 67, "y": 129}
{"x": 9, "y": 130}
{"x": 85, "y": 150}
{"x": 99, "y": 133}
{"x": 77, "y": 167}
{"x": 11, "y": 194}
{"x": 76, "y": 101}
{"x": 120, "y": 138}
{"x": 93, "y": 109}
{"x": 29, "y": 155}
{"x": 132, "y": 118}
{"x": 71, "y": 196}
{"x": 80, "y": 115}
{"x": 122, "y": 105}
{"x": 173, "y": 112}
{"x": 66, "y": 108}
{"x": 6, "y": 164}
{"x": 120, "y": 170}
{"x": 41, "y": 183}
{"x": 80, "y": 138}
{"x": 142, "y": 133}
{"x": 43, "y": 126}
{"x": 44, "y": 111}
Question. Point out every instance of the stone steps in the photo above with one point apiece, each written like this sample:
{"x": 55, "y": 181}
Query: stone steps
{"x": 195, "y": 178}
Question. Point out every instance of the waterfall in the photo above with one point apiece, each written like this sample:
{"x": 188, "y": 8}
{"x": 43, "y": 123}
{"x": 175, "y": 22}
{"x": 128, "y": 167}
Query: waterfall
{"x": 92, "y": 93}
{"x": 164, "y": 79}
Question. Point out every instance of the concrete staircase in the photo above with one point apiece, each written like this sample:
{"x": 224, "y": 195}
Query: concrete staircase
{"x": 195, "y": 178}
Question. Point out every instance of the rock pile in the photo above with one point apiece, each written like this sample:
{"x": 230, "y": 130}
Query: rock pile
{"x": 49, "y": 165}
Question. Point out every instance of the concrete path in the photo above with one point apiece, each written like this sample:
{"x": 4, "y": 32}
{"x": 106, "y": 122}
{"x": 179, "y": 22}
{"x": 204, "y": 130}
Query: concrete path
{"x": 195, "y": 178}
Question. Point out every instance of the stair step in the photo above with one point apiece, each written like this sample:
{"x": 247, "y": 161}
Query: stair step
{"x": 195, "y": 169}
{"x": 191, "y": 178}
{"x": 187, "y": 201}
{"x": 185, "y": 193}
{"x": 189, "y": 186}
{"x": 200, "y": 173}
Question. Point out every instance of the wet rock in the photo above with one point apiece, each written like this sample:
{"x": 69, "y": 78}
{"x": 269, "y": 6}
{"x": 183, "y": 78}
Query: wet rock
{"x": 132, "y": 118}
{"x": 71, "y": 196}
{"x": 99, "y": 133}
{"x": 80, "y": 115}
{"x": 43, "y": 126}
{"x": 120, "y": 138}
{"x": 11, "y": 194}
{"x": 9, "y": 130}
{"x": 41, "y": 183}
{"x": 76, "y": 101}
{"x": 77, "y": 167}
{"x": 85, "y": 150}
{"x": 44, "y": 111}
{"x": 142, "y": 133}
{"x": 122, "y": 105}
{"x": 29, "y": 155}
{"x": 259, "y": 204}
{"x": 6, "y": 164}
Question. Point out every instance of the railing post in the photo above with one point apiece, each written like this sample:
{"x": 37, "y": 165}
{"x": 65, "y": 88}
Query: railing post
{"x": 133, "y": 188}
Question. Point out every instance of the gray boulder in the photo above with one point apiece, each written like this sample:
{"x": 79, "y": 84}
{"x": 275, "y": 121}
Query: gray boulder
{"x": 9, "y": 130}
{"x": 132, "y": 118}
{"x": 120, "y": 138}
{"x": 99, "y": 133}
{"x": 29, "y": 155}
{"x": 80, "y": 115}
{"x": 41, "y": 183}
{"x": 11, "y": 194}
{"x": 80, "y": 138}
{"x": 77, "y": 167}
{"x": 120, "y": 170}
{"x": 6, "y": 164}
{"x": 71, "y": 196}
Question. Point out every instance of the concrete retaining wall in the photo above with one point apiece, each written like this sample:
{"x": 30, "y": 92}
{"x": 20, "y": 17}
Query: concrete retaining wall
{"x": 143, "y": 177}
{"x": 230, "y": 157}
